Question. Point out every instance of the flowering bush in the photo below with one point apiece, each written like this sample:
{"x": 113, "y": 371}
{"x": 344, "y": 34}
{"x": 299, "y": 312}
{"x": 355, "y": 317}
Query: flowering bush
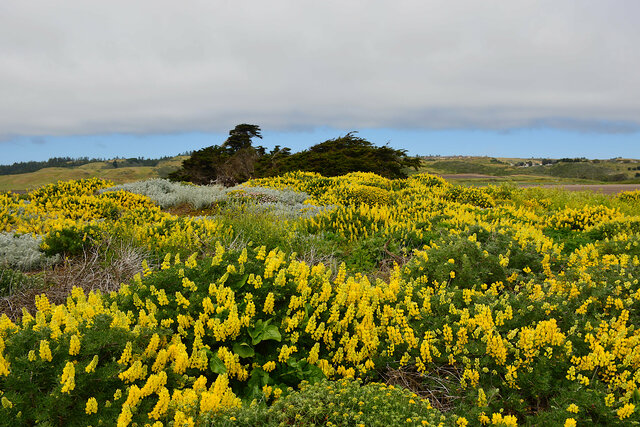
{"x": 501, "y": 312}
{"x": 343, "y": 402}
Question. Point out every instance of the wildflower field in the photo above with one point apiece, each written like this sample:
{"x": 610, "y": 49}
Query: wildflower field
{"x": 306, "y": 300}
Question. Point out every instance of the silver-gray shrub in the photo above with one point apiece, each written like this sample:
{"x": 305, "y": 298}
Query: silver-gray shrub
{"x": 166, "y": 193}
{"x": 285, "y": 196}
{"x": 287, "y": 211}
{"x": 22, "y": 252}
{"x": 286, "y": 204}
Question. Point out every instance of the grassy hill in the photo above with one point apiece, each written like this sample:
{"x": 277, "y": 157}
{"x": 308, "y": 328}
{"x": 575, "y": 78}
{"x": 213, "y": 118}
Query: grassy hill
{"x": 104, "y": 170}
{"x": 479, "y": 170}
{"x": 460, "y": 169}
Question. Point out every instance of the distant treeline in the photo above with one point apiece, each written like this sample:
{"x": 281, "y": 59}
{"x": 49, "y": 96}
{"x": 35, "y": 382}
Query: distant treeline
{"x": 69, "y": 162}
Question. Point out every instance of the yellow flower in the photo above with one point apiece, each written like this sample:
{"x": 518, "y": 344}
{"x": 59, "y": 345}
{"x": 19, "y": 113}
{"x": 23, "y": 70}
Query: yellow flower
{"x": 68, "y": 378}
{"x": 45, "y": 351}
{"x": 626, "y": 411}
{"x": 74, "y": 345}
{"x": 6, "y": 403}
{"x": 126, "y": 354}
{"x": 162, "y": 405}
{"x": 125, "y": 417}
{"x": 91, "y": 367}
{"x": 91, "y": 406}
{"x": 570, "y": 422}
{"x": 268, "y": 303}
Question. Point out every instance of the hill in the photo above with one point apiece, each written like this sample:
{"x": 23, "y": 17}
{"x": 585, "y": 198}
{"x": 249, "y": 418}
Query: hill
{"x": 103, "y": 170}
{"x": 483, "y": 170}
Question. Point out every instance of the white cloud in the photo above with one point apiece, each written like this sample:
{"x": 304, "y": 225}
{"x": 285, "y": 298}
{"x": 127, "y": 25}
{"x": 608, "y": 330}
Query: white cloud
{"x": 82, "y": 67}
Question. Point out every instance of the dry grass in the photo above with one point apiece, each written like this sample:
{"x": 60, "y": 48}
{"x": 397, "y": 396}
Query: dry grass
{"x": 89, "y": 271}
{"x": 31, "y": 180}
{"x": 440, "y": 385}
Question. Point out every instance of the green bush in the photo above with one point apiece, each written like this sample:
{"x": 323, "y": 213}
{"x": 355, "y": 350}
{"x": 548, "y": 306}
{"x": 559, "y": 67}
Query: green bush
{"x": 12, "y": 280}
{"x": 471, "y": 195}
{"x": 34, "y": 386}
{"x": 68, "y": 241}
{"x": 473, "y": 258}
{"x": 338, "y": 403}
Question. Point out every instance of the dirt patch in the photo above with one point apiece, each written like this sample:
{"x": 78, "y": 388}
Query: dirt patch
{"x": 88, "y": 271}
{"x": 466, "y": 176}
{"x": 600, "y": 188}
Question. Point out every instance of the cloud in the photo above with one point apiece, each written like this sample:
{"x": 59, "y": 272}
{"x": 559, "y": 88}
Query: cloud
{"x": 75, "y": 67}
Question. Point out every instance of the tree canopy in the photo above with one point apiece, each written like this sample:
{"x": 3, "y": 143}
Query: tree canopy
{"x": 237, "y": 160}
{"x": 229, "y": 164}
{"x": 350, "y": 153}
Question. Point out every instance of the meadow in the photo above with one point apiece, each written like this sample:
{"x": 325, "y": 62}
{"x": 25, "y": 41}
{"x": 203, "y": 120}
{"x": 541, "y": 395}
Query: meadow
{"x": 529, "y": 172}
{"x": 103, "y": 170}
{"x": 306, "y": 300}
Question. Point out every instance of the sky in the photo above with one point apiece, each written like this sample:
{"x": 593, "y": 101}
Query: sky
{"x": 153, "y": 78}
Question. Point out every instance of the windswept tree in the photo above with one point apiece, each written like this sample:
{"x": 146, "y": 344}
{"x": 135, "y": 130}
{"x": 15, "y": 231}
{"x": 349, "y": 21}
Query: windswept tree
{"x": 350, "y": 153}
{"x": 229, "y": 164}
{"x": 240, "y": 137}
{"x": 236, "y": 160}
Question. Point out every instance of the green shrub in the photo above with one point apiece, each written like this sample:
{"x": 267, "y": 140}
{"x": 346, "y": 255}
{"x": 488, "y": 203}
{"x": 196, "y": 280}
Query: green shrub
{"x": 34, "y": 387}
{"x": 470, "y": 195}
{"x": 428, "y": 180}
{"x": 369, "y": 195}
{"x": 12, "y": 280}
{"x": 476, "y": 257}
{"x": 338, "y": 403}
{"x": 68, "y": 241}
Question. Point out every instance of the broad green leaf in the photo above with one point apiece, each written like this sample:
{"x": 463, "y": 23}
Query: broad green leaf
{"x": 243, "y": 350}
{"x": 217, "y": 366}
{"x": 272, "y": 333}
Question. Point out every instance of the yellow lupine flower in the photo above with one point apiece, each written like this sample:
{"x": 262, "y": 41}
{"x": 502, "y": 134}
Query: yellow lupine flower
{"x": 125, "y": 357}
{"x": 268, "y": 303}
{"x": 573, "y": 408}
{"x": 68, "y": 378}
{"x": 626, "y": 411}
{"x": 74, "y": 345}
{"x": 92, "y": 406}
{"x": 45, "y": 351}
{"x": 91, "y": 367}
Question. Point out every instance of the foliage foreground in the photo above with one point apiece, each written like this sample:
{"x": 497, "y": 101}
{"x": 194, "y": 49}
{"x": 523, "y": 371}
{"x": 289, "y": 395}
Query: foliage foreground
{"x": 450, "y": 306}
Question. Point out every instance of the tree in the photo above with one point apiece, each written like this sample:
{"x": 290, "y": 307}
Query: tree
{"x": 237, "y": 160}
{"x": 229, "y": 164}
{"x": 350, "y": 153}
{"x": 240, "y": 137}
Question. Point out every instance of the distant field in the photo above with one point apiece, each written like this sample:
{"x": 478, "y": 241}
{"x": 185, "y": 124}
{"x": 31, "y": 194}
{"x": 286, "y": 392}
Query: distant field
{"x": 604, "y": 188}
{"x": 608, "y": 175}
{"x": 480, "y": 171}
{"x": 103, "y": 170}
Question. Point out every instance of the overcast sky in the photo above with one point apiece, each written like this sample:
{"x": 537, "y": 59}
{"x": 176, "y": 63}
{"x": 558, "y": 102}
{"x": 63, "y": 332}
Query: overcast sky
{"x": 134, "y": 70}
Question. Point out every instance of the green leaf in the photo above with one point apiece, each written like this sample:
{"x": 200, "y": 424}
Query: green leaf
{"x": 243, "y": 350}
{"x": 263, "y": 331}
{"x": 313, "y": 374}
{"x": 272, "y": 333}
{"x": 217, "y": 366}
{"x": 258, "y": 378}
{"x": 241, "y": 281}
